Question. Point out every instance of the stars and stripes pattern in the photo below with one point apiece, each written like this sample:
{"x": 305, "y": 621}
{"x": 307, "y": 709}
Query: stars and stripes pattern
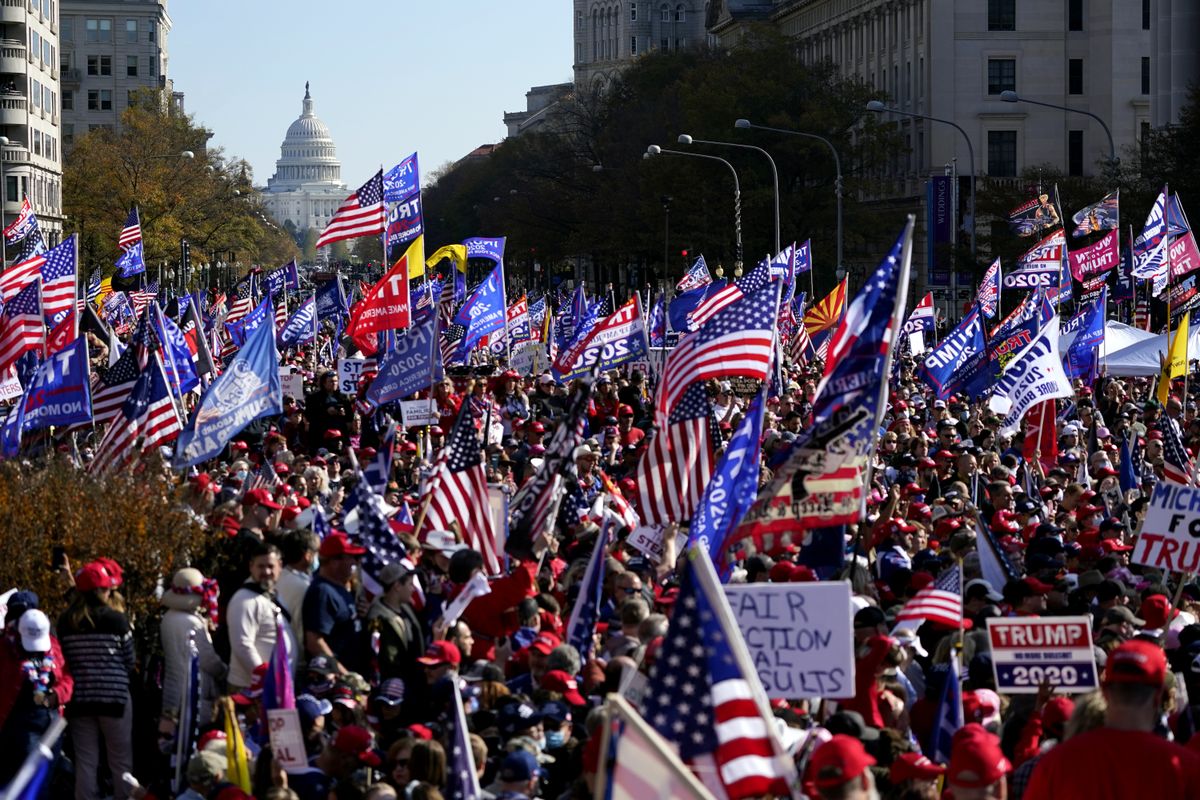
{"x": 737, "y": 340}
{"x": 715, "y": 302}
{"x": 458, "y": 493}
{"x": 800, "y": 345}
{"x": 22, "y": 226}
{"x": 360, "y": 214}
{"x": 32, "y": 245}
{"x": 94, "y": 287}
{"x": 146, "y": 420}
{"x": 56, "y": 268}
{"x": 112, "y": 387}
{"x": 462, "y": 779}
{"x": 451, "y": 333}
{"x": 702, "y": 698}
{"x": 266, "y": 477}
{"x": 940, "y": 602}
{"x": 142, "y": 298}
{"x": 696, "y": 276}
{"x": 1177, "y": 464}
{"x": 21, "y": 325}
{"x": 131, "y": 234}
{"x": 678, "y": 461}
{"x": 373, "y": 532}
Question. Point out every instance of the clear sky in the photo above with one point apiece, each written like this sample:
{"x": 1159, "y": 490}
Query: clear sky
{"x": 388, "y": 76}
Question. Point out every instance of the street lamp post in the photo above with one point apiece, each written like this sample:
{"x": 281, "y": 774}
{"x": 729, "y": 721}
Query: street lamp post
{"x": 745, "y": 125}
{"x": 1010, "y": 96}
{"x": 3, "y": 203}
{"x": 878, "y": 107}
{"x": 685, "y": 139}
{"x": 666, "y": 204}
{"x": 654, "y": 150}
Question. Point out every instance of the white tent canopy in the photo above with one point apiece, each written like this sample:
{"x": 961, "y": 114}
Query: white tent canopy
{"x": 1142, "y": 359}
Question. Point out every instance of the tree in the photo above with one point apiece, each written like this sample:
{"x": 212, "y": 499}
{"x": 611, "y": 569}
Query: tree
{"x": 208, "y": 199}
{"x": 309, "y": 247}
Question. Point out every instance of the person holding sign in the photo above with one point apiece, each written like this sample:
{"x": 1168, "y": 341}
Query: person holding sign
{"x": 1124, "y": 758}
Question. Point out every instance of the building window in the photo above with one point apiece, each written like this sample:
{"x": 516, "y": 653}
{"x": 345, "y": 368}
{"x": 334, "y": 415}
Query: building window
{"x": 99, "y": 31}
{"x": 664, "y": 14}
{"x": 68, "y": 101}
{"x": 679, "y": 13}
{"x": 99, "y": 65}
{"x": 1146, "y": 75}
{"x": 152, "y": 65}
{"x": 130, "y": 98}
{"x": 1075, "y": 15}
{"x": 68, "y": 133}
{"x": 664, "y": 45}
{"x": 131, "y": 30}
{"x": 1075, "y": 76}
{"x": 150, "y": 31}
{"x": 1145, "y": 15}
{"x": 1002, "y": 154}
{"x": 633, "y": 12}
{"x": 131, "y": 66}
{"x": 1002, "y": 15}
{"x": 93, "y": 99}
{"x": 1075, "y": 153}
{"x": 37, "y": 144}
{"x": 66, "y": 29}
{"x": 633, "y": 45}
{"x": 106, "y": 100}
{"x": 1002, "y": 75}
{"x": 35, "y": 93}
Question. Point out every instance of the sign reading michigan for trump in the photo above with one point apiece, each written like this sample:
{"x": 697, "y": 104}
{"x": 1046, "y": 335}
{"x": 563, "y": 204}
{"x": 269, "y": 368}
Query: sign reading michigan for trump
{"x": 800, "y": 636}
{"x": 1170, "y": 537}
{"x": 1030, "y": 651}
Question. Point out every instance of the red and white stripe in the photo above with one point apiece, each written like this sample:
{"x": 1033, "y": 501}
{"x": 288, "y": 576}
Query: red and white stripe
{"x": 360, "y": 214}
{"x": 725, "y": 297}
{"x": 20, "y": 333}
{"x": 674, "y": 471}
{"x": 140, "y": 299}
{"x": 461, "y": 497}
{"x": 18, "y": 276}
{"x": 746, "y": 759}
{"x": 746, "y": 352}
{"x": 158, "y": 425}
{"x": 932, "y": 603}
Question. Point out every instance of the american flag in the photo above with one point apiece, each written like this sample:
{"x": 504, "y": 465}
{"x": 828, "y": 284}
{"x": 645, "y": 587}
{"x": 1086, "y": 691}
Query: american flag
{"x": 21, "y": 325}
{"x": 142, "y": 298}
{"x": 800, "y": 345}
{"x": 360, "y": 214}
{"x": 533, "y": 504}
{"x": 1177, "y": 464}
{"x": 988, "y": 298}
{"x": 748, "y": 284}
{"x": 462, "y": 781}
{"x": 704, "y": 696}
{"x": 940, "y": 602}
{"x": 32, "y": 245}
{"x": 451, "y": 333}
{"x": 581, "y": 628}
{"x": 146, "y": 420}
{"x": 57, "y": 270}
{"x": 458, "y": 491}
{"x": 678, "y": 461}
{"x": 110, "y": 389}
{"x": 265, "y": 477}
{"x": 94, "y": 287}
{"x": 244, "y": 300}
{"x": 281, "y": 312}
{"x": 22, "y": 226}
{"x": 738, "y": 340}
{"x": 131, "y": 234}
{"x": 371, "y": 529}
{"x": 696, "y": 276}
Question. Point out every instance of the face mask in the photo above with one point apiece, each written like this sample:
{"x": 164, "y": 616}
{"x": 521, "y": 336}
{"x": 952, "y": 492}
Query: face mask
{"x": 555, "y": 739}
{"x": 541, "y": 743}
{"x": 241, "y": 474}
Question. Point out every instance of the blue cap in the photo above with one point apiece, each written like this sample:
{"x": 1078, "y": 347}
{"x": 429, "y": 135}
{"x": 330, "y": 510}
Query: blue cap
{"x": 309, "y": 708}
{"x": 556, "y": 712}
{"x": 519, "y": 765}
{"x": 19, "y": 602}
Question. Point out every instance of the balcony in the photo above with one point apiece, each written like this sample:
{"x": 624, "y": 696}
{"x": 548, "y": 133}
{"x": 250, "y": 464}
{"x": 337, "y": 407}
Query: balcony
{"x": 12, "y": 57}
{"x": 12, "y": 11}
{"x": 12, "y": 110}
{"x": 70, "y": 77}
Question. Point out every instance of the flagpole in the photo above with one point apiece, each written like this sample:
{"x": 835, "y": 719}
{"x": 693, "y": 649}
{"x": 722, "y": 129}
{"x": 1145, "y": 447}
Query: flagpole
{"x": 504, "y": 304}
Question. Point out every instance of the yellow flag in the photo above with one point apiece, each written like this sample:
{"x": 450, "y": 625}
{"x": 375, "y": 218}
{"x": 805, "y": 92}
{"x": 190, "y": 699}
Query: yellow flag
{"x": 237, "y": 770}
{"x": 1175, "y": 365}
{"x": 105, "y": 290}
{"x": 415, "y": 254}
{"x": 457, "y": 253}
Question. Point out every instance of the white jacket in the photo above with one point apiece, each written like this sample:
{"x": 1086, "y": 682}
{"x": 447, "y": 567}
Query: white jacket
{"x": 177, "y": 629}
{"x": 251, "y": 621}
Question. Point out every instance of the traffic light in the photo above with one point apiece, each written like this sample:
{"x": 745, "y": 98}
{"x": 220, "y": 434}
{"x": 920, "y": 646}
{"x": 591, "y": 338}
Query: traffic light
{"x": 683, "y": 252}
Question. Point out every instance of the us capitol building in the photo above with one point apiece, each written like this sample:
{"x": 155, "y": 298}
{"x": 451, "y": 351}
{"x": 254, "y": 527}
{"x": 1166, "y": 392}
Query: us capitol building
{"x": 307, "y": 185}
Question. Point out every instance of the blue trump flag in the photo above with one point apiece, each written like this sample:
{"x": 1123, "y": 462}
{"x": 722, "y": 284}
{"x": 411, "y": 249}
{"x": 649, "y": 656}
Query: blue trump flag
{"x": 331, "y": 300}
{"x": 656, "y": 326}
{"x": 301, "y": 327}
{"x": 491, "y": 248}
{"x": 732, "y": 490}
{"x": 682, "y": 306}
{"x": 401, "y": 180}
{"x": 131, "y": 262}
{"x": 283, "y": 278}
{"x": 59, "y": 393}
{"x": 484, "y": 311}
{"x": 240, "y": 331}
{"x": 177, "y": 356}
{"x": 414, "y": 363}
{"x": 581, "y": 628}
{"x": 1080, "y": 359}
{"x": 1131, "y": 455}
{"x": 959, "y": 359}
{"x": 247, "y": 390}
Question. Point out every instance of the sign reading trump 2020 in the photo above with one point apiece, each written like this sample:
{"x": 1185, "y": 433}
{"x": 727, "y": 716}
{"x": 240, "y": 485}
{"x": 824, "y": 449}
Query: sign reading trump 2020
{"x": 1030, "y": 651}
{"x": 1170, "y": 537}
{"x": 800, "y": 636}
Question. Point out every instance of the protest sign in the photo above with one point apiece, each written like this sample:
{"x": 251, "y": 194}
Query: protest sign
{"x": 647, "y": 539}
{"x": 10, "y": 387}
{"x": 287, "y": 738}
{"x": 416, "y": 413}
{"x": 528, "y": 358}
{"x": 1170, "y": 536}
{"x": 292, "y": 382}
{"x": 498, "y": 507}
{"x": 1027, "y": 651}
{"x": 349, "y": 371}
{"x": 799, "y": 636}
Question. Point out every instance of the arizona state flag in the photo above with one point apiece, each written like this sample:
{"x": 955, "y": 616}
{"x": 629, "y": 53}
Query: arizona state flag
{"x": 825, "y": 314}
{"x": 386, "y": 305}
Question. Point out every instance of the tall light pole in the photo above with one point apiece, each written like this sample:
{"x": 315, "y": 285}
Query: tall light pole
{"x": 745, "y": 124}
{"x": 685, "y": 139}
{"x": 654, "y": 150}
{"x": 1010, "y": 96}
{"x": 666, "y": 204}
{"x": 878, "y": 107}
{"x": 4, "y": 140}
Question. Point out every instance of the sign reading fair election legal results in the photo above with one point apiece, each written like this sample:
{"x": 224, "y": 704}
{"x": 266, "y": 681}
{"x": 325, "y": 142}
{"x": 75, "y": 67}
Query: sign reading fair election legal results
{"x": 800, "y": 636}
{"x": 1170, "y": 537}
{"x": 1027, "y": 651}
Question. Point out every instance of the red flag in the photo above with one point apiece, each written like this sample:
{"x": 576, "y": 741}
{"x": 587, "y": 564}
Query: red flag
{"x": 386, "y": 305}
{"x": 1041, "y": 438}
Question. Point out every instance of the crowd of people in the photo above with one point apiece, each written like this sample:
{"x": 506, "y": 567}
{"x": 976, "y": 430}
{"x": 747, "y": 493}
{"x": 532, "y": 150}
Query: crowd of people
{"x": 375, "y": 672}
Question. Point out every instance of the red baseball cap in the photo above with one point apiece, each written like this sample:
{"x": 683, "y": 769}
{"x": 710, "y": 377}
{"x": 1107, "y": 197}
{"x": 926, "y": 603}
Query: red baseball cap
{"x": 94, "y": 576}
{"x": 1136, "y": 661}
{"x": 356, "y": 741}
{"x": 557, "y": 680}
{"x": 260, "y": 497}
{"x": 339, "y": 544}
{"x": 1057, "y": 711}
{"x": 975, "y": 758}
{"x": 545, "y": 642}
{"x": 839, "y": 761}
{"x": 441, "y": 652}
{"x": 1037, "y": 586}
{"x": 914, "y": 767}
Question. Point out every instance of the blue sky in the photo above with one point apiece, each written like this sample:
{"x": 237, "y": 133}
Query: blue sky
{"x": 388, "y": 76}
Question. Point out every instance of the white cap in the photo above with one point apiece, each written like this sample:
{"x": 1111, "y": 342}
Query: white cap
{"x": 443, "y": 541}
{"x": 34, "y": 628}
{"x": 992, "y": 594}
{"x": 581, "y": 451}
{"x": 908, "y": 638}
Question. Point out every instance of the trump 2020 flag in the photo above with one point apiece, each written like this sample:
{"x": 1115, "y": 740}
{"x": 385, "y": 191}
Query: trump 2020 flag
{"x": 1150, "y": 248}
{"x": 695, "y": 278}
{"x": 60, "y": 391}
{"x": 301, "y": 327}
{"x": 1033, "y": 375}
{"x": 412, "y": 364}
{"x": 1080, "y": 360}
{"x": 131, "y": 262}
{"x": 484, "y": 312}
{"x": 247, "y": 390}
{"x": 240, "y": 331}
{"x": 616, "y": 340}
{"x": 331, "y": 300}
{"x": 988, "y": 298}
